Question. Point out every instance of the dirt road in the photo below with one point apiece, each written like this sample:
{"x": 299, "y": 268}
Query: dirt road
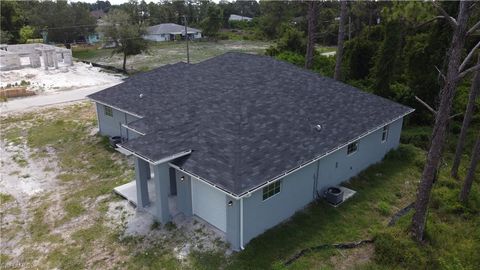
{"x": 29, "y": 103}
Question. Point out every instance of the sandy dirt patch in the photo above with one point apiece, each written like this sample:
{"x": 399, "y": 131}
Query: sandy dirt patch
{"x": 64, "y": 78}
{"x": 45, "y": 225}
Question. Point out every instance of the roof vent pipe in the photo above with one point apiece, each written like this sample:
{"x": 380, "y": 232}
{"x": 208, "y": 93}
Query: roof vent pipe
{"x": 318, "y": 127}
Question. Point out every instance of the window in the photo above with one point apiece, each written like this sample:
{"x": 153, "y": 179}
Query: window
{"x": 352, "y": 148}
{"x": 108, "y": 111}
{"x": 271, "y": 190}
{"x": 385, "y": 134}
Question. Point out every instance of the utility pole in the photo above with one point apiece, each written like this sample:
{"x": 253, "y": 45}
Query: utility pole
{"x": 186, "y": 39}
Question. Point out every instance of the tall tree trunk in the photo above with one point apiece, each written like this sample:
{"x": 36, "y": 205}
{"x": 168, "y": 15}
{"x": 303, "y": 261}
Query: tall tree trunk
{"x": 341, "y": 35}
{"x": 474, "y": 91}
{"x": 312, "y": 26}
{"x": 441, "y": 121}
{"x": 467, "y": 185}
{"x": 124, "y": 62}
{"x": 125, "y": 58}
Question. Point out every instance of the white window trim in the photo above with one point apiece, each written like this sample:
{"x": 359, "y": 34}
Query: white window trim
{"x": 105, "y": 107}
{"x": 280, "y": 190}
{"x": 387, "y": 131}
{"x": 356, "y": 150}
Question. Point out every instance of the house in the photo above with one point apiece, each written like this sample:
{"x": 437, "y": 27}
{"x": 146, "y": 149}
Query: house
{"x": 171, "y": 31}
{"x": 93, "y": 38}
{"x": 243, "y": 141}
{"x": 235, "y": 17}
{"x": 96, "y": 37}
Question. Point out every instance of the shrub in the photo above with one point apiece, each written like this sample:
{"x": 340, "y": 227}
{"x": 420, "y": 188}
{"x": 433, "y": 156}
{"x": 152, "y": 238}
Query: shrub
{"x": 418, "y": 136}
{"x": 291, "y": 57}
{"x": 398, "y": 249}
{"x": 325, "y": 65}
{"x": 384, "y": 208}
{"x": 405, "y": 152}
{"x": 292, "y": 40}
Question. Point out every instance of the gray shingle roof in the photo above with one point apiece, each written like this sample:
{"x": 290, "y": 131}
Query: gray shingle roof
{"x": 247, "y": 118}
{"x": 169, "y": 28}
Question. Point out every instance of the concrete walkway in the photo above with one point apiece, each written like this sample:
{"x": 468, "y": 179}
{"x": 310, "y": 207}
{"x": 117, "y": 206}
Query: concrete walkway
{"x": 129, "y": 192}
{"x": 28, "y": 103}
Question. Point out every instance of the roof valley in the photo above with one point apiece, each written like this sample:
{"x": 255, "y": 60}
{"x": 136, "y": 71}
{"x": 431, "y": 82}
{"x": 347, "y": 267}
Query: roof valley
{"x": 247, "y": 118}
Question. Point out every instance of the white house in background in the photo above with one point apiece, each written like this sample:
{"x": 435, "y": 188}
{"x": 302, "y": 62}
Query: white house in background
{"x": 235, "y": 17}
{"x": 171, "y": 31}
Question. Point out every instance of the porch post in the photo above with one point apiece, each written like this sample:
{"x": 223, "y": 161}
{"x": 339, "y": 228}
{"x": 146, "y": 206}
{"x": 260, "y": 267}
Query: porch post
{"x": 142, "y": 173}
{"x": 161, "y": 178}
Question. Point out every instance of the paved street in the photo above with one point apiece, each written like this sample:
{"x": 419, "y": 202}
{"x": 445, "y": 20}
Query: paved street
{"x": 28, "y": 103}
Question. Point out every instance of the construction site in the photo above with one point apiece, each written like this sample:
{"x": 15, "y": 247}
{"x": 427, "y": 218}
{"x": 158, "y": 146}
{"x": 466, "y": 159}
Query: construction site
{"x": 34, "y": 55}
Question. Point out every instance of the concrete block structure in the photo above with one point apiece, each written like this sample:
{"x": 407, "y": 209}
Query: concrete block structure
{"x": 242, "y": 149}
{"x": 34, "y": 55}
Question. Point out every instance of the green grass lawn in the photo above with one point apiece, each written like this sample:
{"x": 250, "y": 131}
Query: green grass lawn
{"x": 89, "y": 170}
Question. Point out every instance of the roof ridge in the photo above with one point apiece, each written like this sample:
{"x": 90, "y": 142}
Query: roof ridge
{"x": 242, "y": 115}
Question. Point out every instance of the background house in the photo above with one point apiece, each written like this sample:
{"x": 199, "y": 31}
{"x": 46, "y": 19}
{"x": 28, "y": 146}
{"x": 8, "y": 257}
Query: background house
{"x": 235, "y": 17}
{"x": 171, "y": 31}
{"x": 240, "y": 148}
{"x": 96, "y": 37}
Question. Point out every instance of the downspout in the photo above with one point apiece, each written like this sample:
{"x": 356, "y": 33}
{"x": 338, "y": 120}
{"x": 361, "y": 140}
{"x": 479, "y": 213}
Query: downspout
{"x": 126, "y": 129}
{"x": 241, "y": 224}
{"x": 98, "y": 119}
{"x": 317, "y": 174}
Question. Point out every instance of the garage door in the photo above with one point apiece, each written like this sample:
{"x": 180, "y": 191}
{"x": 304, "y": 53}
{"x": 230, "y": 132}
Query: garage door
{"x": 209, "y": 204}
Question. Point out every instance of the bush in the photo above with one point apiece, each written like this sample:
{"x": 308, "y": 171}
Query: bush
{"x": 324, "y": 65}
{"x": 291, "y": 57}
{"x": 445, "y": 198}
{"x": 418, "y": 136}
{"x": 403, "y": 94}
{"x": 405, "y": 152}
{"x": 292, "y": 40}
{"x": 398, "y": 249}
{"x": 365, "y": 85}
{"x": 384, "y": 208}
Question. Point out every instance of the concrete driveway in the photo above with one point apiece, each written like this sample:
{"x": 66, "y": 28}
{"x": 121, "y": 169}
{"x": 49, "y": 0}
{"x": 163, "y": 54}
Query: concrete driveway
{"x": 33, "y": 102}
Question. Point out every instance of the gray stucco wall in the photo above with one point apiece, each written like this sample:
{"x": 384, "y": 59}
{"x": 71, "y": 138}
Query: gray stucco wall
{"x": 112, "y": 125}
{"x": 233, "y": 222}
{"x": 297, "y": 189}
{"x": 339, "y": 167}
{"x": 184, "y": 193}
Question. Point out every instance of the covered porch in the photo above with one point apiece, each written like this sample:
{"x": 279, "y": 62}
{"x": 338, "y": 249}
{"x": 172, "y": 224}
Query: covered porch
{"x": 154, "y": 190}
{"x": 164, "y": 193}
{"x": 129, "y": 192}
